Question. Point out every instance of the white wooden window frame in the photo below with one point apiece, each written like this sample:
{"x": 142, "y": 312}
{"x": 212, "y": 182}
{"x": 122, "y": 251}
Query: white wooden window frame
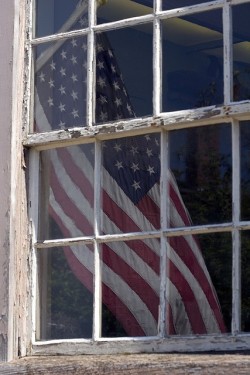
{"x": 230, "y": 112}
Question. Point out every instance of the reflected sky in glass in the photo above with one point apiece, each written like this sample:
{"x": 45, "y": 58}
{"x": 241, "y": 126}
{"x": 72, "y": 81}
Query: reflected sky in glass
{"x": 115, "y": 10}
{"x": 172, "y": 4}
{"x": 54, "y": 16}
{"x": 192, "y": 61}
{"x": 124, "y": 73}
{"x": 241, "y": 55}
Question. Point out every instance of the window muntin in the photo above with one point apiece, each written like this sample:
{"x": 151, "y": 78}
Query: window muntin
{"x": 232, "y": 227}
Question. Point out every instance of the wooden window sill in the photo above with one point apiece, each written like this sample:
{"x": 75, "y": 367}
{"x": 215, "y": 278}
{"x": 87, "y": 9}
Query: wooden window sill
{"x": 139, "y": 364}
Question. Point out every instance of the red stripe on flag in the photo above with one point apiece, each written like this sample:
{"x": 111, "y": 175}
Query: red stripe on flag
{"x": 150, "y": 210}
{"x": 76, "y": 174}
{"x": 189, "y": 299}
{"x": 132, "y": 278}
{"x": 121, "y": 312}
{"x": 126, "y": 224}
{"x": 69, "y": 207}
{"x": 109, "y": 298}
{"x": 181, "y": 247}
{"x": 179, "y": 206}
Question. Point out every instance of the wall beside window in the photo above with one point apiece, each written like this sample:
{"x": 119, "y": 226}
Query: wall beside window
{"x": 13, "y": 204}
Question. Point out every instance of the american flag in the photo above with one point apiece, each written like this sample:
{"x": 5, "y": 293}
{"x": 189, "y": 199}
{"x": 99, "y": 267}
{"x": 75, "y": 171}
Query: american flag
{"x": 130, "y": 200}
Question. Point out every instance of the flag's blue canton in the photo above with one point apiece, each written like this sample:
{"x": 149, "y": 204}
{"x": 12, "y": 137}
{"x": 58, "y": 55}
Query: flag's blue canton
{"x": 61, "y": 84}
{"x": 134, "y": 163}
{"x": 112, "y": 100}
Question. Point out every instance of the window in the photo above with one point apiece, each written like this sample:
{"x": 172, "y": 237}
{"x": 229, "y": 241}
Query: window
{"x": 139, "y": 175}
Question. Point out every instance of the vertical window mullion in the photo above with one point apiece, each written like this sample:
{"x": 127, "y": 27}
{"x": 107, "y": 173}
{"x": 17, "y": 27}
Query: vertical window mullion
{"x": 236, "y": 277}
{"x": 97, "y": 174}
{"x": 29, "y": 73}
{"x": 97, "y": 261}
{"x": 157, "y": 61}
{"x": 34, "y": 215}
{"x": 164, "y": 191}
{"x": 91, "y": 65}
{"x": 228, "y": 64}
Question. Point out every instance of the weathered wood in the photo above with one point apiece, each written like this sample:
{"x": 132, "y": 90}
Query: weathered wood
{"x": 13, "y": 230}
{"x": 180, "y": 344}
{"x": 168, "y": 121}
{"x": 5, "y": 146}
{"x": 19, "y": 258}
{"x": 130, "y": 365}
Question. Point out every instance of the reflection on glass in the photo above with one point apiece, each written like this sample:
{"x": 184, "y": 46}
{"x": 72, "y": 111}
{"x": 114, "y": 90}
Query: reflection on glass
{"x": 115, "y": 10}
{"x": 65, "y": 291}
{"x": 60, "y": 84}
{"x": 200, "y": 162}
{"x": 54, "y": 16}
{"x": 199, "y": 291}
{"x": 245, "y": 169}
{"x": 241, "y": 56}
{"x": 66, "y": 192}
{"x": 124, "y": 73}
{"x": 192, "y": 61}
{"x": 130, "y": 288}
{"x": 130, "y": 184}
{"x": 245, "y": 281}
{"x": 172, "y": 4}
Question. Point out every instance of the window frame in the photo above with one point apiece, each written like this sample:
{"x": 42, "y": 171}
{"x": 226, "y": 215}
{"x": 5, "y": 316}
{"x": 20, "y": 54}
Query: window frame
{"x": 229, "y": 112}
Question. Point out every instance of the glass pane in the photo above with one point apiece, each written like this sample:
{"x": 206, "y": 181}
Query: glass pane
{"x": 171, "y": 4}
{"x": 114, "y": 10}
{"x": 192, "y": 61}
{"x": 241, "y": 48}
{"x": 201, "y": 176}
{"x": 130, "y": 288}
{"x": 54, "y": 16}
{"x": 124, "y": 74}
{"x": 245, "y": 282}
{"x": 131, "y": 184}
{"x": 66, "y": 192}
{"x": 245, "y": 169}
{"x": 199, "y": 291}
{"x": 60, "y": 84}
{"x": 65, "y": 291}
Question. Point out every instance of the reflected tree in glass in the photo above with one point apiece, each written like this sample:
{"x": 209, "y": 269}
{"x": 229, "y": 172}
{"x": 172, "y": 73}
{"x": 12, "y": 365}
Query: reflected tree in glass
{"x": 200, "y": 159}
